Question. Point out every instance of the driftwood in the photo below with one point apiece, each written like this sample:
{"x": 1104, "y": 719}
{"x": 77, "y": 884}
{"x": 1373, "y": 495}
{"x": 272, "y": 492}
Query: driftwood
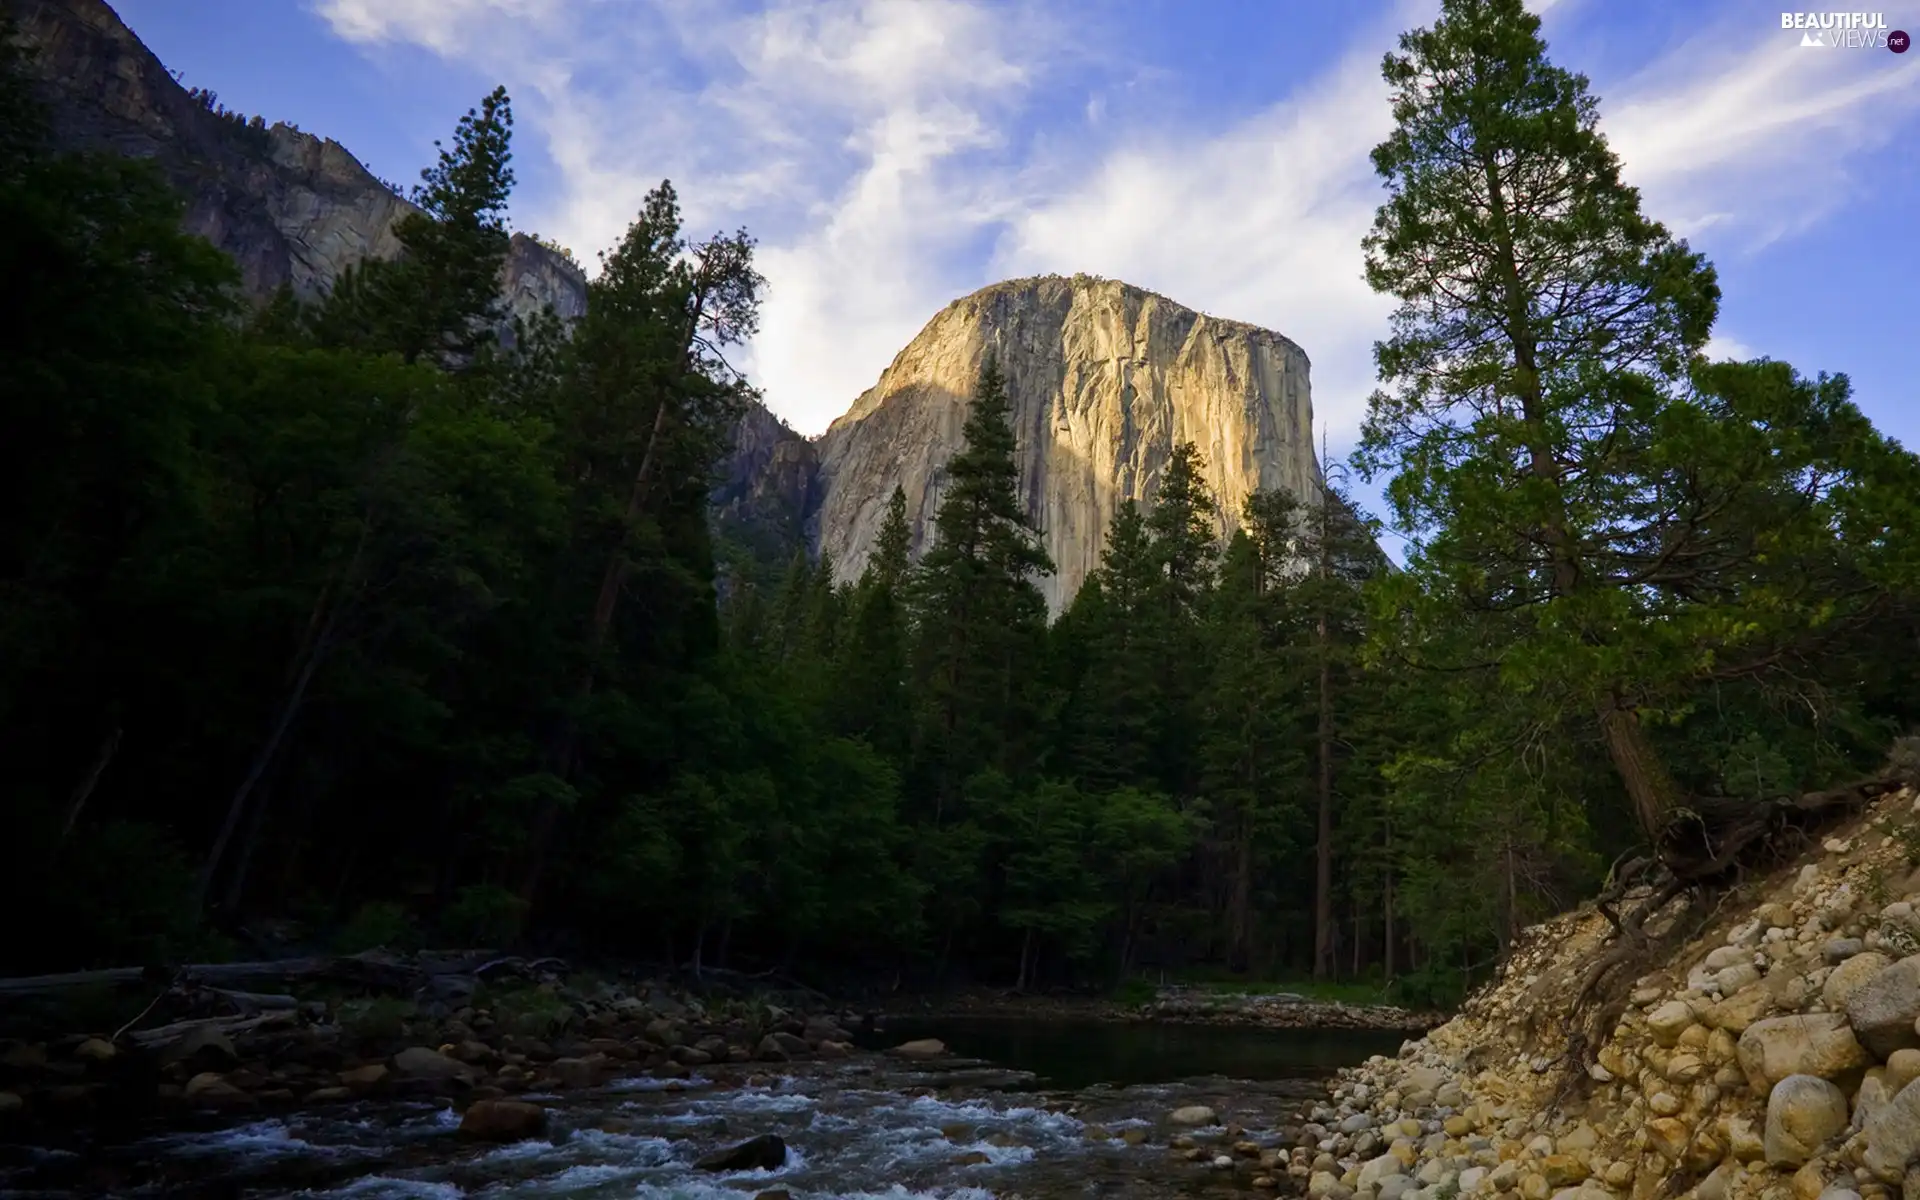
{"x": 226, "y": 1026}
{"x": 375, "y": 972}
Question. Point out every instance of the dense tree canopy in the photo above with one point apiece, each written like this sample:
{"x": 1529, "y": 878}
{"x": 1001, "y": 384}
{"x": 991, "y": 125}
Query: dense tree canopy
{"x": 362, "y": 616}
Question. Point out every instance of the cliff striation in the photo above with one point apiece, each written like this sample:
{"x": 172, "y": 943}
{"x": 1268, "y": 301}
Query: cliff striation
{"x": 289, "y": 207}
{"x": 1106, "y": 379}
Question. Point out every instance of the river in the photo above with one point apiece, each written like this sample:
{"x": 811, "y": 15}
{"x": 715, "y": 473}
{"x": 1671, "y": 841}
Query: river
{"x": 1035, "y": 1109}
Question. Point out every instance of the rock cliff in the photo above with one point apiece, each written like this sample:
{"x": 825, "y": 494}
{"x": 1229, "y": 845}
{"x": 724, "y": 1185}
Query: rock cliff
{"x": 1105, "y": 380}
{"x": 289, "y": 207}
{"x": 1772, "y": 1054}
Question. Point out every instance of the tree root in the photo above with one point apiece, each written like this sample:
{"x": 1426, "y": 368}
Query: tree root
{"x": 1704, "y": 852}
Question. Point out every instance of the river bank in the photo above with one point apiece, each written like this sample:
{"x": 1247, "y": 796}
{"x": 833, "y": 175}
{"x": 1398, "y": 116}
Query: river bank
{"x": 1769, "y": 1049}
{"x": 1179, "y": 1006}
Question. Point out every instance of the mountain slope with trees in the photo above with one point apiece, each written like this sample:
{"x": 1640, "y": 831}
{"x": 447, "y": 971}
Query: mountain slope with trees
{"x": 354, "y": 612}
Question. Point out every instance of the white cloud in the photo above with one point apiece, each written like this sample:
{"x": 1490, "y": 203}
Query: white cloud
{"x": 1725, "y": 345}
{"x": 443, "y": 26}
{"x": 1742, "y": 130}
{"x": 1260, "y": 223}
{"x": 893, "y": 154}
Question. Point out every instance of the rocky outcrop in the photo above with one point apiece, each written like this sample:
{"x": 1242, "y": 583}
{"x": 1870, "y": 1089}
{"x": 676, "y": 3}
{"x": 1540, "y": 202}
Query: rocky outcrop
{"x": 289, "y": 207}
{"x": 1772, "y": 1057}
{"x": 1105, "y": 379}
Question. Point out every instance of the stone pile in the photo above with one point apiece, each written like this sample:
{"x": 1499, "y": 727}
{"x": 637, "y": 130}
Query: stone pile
{"x": 553, "y": 1037}
{"x": 1775, "y": 1057}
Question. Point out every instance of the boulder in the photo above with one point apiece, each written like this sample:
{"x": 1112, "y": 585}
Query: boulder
{"x": 1378, "y": 1170}
{"x": 583, "y": 1072}
{"x": 1893, "y": 1135}
{"x": 1848, "y": 977}
{"x": 1193, "y": 1114}
{"x": 503, "y": 1120}
{"x": 1882, "y": 1010}
{"x": 921, "y": 1049}
{"x": 96, "y": 1050}
{"x": 1903, "y": 1067}
{"x": 1667, "y": 1022}
{"x": 421, "y": 1062}
{"x": 1817, "y": 1044}
{"x": 763, "y": 1153}
{"x": 794, "y": 1045}
{"x": 210, "y": 1089}
{"x": 1840, "y": 950}
{"x": 1743, "y": 1008}
{"x": 770, "y": 1050}
{"x": 203, "y": 1049}
{"x": 1874, "y": 1095}
{"x": 1803, "y": 1111}
{"x": 370, "y": 1075}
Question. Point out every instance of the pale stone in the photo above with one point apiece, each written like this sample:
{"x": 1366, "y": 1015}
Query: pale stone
{"x": 1884, "y": 1008}
{"x": 1737, "y": 1012}
{"x": 1819, "y": 1044}
{"x": 1667, "y": 1022}
{"x": 1105, "y": 380}
{"x": 1802, "y": 1113}
{"x": 1744, "y": 1142}
{"x": 1874, "y": 1095}
{"x": 1903, "y": 1067}
{"x": 1893, "y": 1135}
{"x": 1378, "y": 1169}
{"x": 1668, "y": 1137}
{"x": 1848, "y": 977}
{"x": 1191, "y": 1114}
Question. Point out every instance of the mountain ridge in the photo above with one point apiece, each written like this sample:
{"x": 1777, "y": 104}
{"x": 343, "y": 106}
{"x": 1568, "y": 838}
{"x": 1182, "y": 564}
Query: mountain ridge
{"x": 1106, "y": 377}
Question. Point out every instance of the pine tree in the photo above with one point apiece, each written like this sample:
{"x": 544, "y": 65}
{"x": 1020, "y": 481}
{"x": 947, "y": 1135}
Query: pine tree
{"x": 440, "y": 301}
{"x": 978, "y": 618}
{"x": 1115, "y": 709}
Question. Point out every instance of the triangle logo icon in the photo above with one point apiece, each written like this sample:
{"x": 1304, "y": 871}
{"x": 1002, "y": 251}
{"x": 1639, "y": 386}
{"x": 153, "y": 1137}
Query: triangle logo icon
{"x": 1810, "y": 38}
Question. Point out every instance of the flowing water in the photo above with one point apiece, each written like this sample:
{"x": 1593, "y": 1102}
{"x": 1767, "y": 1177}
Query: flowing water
{"x": 1039, "y": 1110}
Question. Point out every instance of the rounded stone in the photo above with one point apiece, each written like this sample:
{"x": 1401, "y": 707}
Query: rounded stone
{"x": 1803, "y": 1111}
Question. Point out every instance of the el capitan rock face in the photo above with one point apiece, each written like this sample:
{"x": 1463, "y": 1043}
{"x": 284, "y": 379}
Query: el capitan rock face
{"x": 1105, "y": 380}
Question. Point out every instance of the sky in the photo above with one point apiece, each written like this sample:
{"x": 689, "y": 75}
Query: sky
{"x": 892, "y": 155}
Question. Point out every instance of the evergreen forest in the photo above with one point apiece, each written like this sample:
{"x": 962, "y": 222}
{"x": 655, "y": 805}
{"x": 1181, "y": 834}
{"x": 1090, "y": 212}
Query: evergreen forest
{"x": 386, "y": 620}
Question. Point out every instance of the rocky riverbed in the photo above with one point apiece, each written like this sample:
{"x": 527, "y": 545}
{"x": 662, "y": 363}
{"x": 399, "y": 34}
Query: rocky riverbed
{"x": 1775, "y": 1055}
{"x": 556, "y": 1087}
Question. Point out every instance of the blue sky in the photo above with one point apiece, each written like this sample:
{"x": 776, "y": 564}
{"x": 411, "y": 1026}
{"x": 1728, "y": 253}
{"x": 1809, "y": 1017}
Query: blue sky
{"x": 894, "y": 154}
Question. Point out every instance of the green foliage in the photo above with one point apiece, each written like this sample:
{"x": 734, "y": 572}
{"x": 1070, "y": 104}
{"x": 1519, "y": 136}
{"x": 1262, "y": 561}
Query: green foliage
{"x": 529, "y": 1011}
{"x": 484, "y": 914}
{"x": 358, "y": 611}
{"x": 376, "y": 1018}
{"x": 377, "y": 925}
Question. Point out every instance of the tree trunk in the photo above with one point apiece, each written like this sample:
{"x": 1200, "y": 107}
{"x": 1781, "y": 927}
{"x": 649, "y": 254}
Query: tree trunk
{"x": 1026, "y": 957}
{"x": 1323, "y": 845}
{"x": 84, "y": 789}
{"x": 1240, "y": 901}
{"x": 263, "y": 758}
{"x": 1649, "y": 788}
{"x": 564, "y": 746}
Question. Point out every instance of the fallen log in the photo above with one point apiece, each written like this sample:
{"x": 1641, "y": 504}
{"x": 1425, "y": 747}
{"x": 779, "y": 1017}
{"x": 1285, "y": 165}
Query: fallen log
{"x": 373, "y": 971}
{"x": 225, "y": 1026}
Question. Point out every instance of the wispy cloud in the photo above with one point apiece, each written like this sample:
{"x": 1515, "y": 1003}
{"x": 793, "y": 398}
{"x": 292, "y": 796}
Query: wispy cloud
{"x": 1742, "y": 128}
{"x": 892, "y": 154}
